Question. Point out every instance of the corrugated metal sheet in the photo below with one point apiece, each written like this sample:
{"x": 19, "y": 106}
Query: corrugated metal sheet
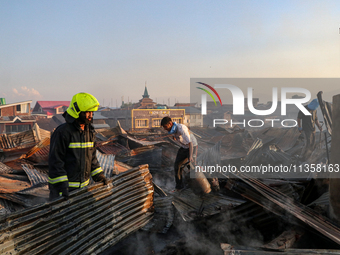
{"x": 229, "y": 249}
{"x": 44, "y": 134}
{"x": 23, "y": 139}
{"x": 19, "y": 199}
{"x": 164, "y": 212}
{"x": 285, "y": 138}
{"x": 143, "y": 155}
{"x": 7, "y": 207}
{"x": 211, "y": 156}
{"x": 322, "y": 201}
{"x": 91, "y": 220}
{"x": 11, "y": 183}
{"x": 252, "y": 213}
{"x": 205, "y": 133}
{"x": 112, "y": 148}
{"x": 42, "y": 144}
{"x": 164, "y": 215}
{"x": 101, "y": 137}
{"x": 188, "y": 204}
{"x": 266, "y": 154}
{"x": 38, "y": 191}
{"x": 107, "y": 163}
{"x": 36, "y": 178}
{"x": 4, "y": 169}
{"x": 235, "y": 145}
{"x": 144, "y": 143}
{"x": 257, "y": 144}
{"x": 279, "y": 203}
{"x": 41, "y": 155}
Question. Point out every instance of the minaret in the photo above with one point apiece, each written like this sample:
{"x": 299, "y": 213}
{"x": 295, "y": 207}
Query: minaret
{"x": 146, "y": 94}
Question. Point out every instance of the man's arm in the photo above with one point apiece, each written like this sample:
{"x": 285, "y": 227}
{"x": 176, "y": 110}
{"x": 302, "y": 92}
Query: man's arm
{"x": 191, "y": 148}
{"x": 57, "y": 175}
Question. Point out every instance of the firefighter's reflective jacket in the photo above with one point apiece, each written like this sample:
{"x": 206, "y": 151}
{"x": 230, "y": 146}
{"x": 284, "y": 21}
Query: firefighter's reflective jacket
{"x": 72, "y": 156}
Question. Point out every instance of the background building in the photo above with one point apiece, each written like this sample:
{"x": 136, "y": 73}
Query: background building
{"x": 15, "y": 117}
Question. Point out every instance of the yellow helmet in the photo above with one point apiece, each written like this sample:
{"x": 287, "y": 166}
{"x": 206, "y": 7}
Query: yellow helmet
{"x": 82, "y": 102}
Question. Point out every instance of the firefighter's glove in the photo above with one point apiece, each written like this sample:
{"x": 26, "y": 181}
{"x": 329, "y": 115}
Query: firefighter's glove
{"x": 101, "y": 178}
{"x": 58, "y": 190}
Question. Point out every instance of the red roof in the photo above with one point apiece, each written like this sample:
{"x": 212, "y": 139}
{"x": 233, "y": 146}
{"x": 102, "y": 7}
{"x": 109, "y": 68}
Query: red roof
{"x": 49, "y": 112}
{"x": 52, "y": 104}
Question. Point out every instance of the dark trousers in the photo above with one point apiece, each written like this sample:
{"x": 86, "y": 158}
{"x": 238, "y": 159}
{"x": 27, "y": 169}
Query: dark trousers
{"x": 181, "y": 155}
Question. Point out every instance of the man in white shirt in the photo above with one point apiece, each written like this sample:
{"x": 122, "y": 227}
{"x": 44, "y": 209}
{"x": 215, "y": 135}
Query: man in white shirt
{"x": 188, "y": 144}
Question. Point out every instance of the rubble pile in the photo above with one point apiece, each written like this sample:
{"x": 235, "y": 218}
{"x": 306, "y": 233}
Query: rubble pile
{"x": 240, "y": 214}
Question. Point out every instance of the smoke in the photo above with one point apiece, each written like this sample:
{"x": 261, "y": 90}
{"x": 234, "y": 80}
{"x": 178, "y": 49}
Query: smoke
{"x": 165, "y": 179}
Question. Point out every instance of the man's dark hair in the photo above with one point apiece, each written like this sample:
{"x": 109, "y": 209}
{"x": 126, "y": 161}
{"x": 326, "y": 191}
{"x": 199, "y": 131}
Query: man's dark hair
{"x": 165, "y": 120}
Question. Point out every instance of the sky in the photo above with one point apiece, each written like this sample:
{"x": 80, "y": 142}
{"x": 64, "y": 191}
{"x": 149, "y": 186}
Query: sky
{"x": 51, "y": 50}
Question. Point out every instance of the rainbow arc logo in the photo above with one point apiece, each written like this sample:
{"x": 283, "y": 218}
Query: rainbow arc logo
{"x": 204, "y": 99}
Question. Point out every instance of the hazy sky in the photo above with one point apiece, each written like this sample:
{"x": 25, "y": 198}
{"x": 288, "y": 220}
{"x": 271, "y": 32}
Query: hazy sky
{"x": 50, "y": 50}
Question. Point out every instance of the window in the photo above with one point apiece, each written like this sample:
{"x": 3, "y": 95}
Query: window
{"x": 177, "y": 120}
{"x": 17, "y": 128}
{"x": 142, "y": 123}
{"x": 23, "y": 108}
{"x": 156, "y": 122}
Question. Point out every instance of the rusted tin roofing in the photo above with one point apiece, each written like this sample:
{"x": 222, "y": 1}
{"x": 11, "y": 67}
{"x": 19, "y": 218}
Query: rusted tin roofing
{"x": 41, "y": 155}
{"x": 143, "y": 155}
{"x": 36, "y": 178}
{"x": 111, "y": 148}
{"x": 23, "y": 139}
{"x": 41, "y": 145}
{"x": 91, "y": 220}
{"x": 4, "y": 169}
{"x": 13, "y": 183}
{"x": 121, "y": 167}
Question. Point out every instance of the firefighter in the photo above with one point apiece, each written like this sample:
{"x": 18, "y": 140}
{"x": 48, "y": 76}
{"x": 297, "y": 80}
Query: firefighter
{"x": 72, "y": 157}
